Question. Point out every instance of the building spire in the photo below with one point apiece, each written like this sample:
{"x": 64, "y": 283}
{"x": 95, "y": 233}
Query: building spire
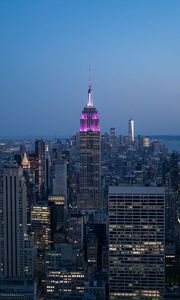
{"x": 90, "y": 100}
{"x": 25, "y": 162}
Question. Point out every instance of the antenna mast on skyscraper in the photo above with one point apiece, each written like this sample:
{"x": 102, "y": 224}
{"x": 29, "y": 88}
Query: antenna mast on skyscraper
{"x": 90, "y": 100}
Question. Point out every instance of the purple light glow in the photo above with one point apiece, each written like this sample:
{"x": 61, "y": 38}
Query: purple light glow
{"x": 95, "y": 116}
{"x": 89, "y": 122}
{"x": 84, "y": 116}
{"x": 94, "y": 129}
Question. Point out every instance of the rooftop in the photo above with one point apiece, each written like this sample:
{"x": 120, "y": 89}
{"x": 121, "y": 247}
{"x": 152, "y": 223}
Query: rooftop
{"x": 136, "y": 190}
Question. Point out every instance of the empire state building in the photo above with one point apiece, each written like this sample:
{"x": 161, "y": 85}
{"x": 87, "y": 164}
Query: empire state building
{"x": 90, "y": 157}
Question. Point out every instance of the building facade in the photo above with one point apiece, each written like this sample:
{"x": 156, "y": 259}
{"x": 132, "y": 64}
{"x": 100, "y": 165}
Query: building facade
{"x": 60, "y": 179}
{"x": 41, "y": 173}
{"x": 136, "y": 242}
{"x": 17, "y": 251}
{"x": 40, "y": 225}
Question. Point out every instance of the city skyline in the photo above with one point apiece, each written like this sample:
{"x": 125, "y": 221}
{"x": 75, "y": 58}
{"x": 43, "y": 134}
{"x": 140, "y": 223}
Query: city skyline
{"x": 47, "y": 49}
{"x": 98, "y": 214}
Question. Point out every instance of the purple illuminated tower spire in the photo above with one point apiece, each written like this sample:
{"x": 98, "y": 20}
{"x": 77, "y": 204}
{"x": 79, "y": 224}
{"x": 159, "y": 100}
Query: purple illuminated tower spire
{"x": 89, "y": 118}
{"x": 90, "y": 157}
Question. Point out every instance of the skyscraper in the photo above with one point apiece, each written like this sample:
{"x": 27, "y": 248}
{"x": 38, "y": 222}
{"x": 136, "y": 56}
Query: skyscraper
{"x": 131, "y": 130}
{"x": 16, "y": 247}
{"x": 40, "y": 223}
{"x": 60, "y": 178}
{"x": 113, "y": 139}
{"x": 90, "y": 157}
{"x": 41, "y": 181}
{"x": 136, "y": 242}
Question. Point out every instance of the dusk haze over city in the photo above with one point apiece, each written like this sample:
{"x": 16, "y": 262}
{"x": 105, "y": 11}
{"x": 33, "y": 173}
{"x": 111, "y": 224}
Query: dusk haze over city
{"x": 90, "y": 150}
{"x": 47, "y": 48}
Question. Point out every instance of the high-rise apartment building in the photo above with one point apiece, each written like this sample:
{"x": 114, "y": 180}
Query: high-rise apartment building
{"x": 136, "y": 242}
{"x": 131, "y": 129}
{"x": 90, "y": 157}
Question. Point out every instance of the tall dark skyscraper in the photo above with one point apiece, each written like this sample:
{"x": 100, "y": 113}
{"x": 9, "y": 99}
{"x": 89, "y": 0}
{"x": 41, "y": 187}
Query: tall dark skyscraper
{"x": 17, "y": 252}
{"x": 90, "y": 157}
{"x": 41, "y": 181}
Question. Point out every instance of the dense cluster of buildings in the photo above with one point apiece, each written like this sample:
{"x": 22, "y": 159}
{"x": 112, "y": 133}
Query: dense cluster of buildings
{"x": 94, "y": 216}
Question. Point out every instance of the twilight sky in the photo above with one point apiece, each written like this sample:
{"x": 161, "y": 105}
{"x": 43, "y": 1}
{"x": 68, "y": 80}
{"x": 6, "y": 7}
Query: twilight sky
{"x": 47, "y": 47}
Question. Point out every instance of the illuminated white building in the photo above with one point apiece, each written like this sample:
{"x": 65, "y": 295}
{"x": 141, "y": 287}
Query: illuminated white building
{"x": 136, "y": 242}
{"x": 146, "y": 142}
{"x": 131, "y": 129}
